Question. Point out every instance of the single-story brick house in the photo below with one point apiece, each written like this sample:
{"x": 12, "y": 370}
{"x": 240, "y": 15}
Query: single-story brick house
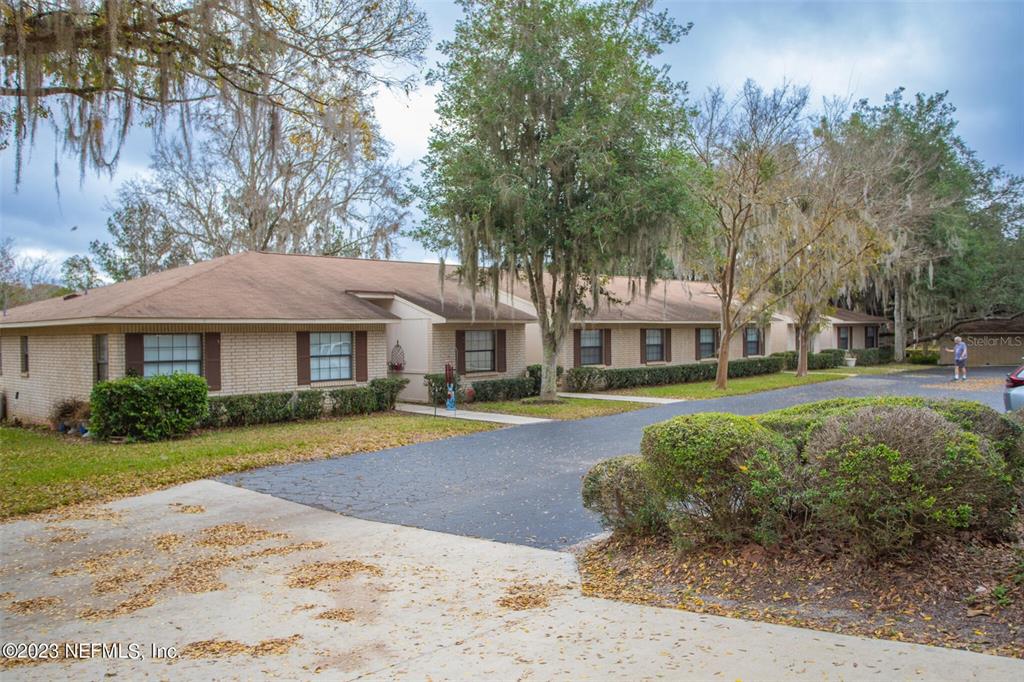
{"x": 989, "y": 342}
{"x": 679, "y": 323}
{"x": 845, "y": 329}
{"x": 258, "y": 322}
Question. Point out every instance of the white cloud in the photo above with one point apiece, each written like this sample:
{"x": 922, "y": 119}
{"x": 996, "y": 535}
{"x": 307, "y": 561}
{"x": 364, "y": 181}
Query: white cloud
{"x": 405, "y": 120}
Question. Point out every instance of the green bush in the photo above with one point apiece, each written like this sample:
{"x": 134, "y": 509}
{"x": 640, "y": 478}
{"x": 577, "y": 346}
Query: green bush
{"x": 308, "y": 405}
{"x": 586, "y": 379}
{"x": 814, "y": 360}
{"x": 493, "y": 390}
{"x": 880, "y": 479}
{"x": 533, "y": 371}
{"x": 437, "y": 389}
{"x": 869, "y": 356}
{"x": 838, "y": 356}
{"x": 922, "y": 357}
{"x": 250, "y": 409}
{"x": 358, "y": 400}
{"x": 722, "y": 477}
{"x": 156, "y": 408}
{"x": 619, "y": 491}
{"x": 387, "y": 391}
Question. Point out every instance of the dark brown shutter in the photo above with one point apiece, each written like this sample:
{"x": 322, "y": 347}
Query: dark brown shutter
{"x": 360, "y": 353}
{"x": 302, "y": 358}
{"x": 745, "y": 331}
{"x": 606, "y": 347}
{"x": 499, "y": 350}
{"x": 760, "y": 341}
{"x": 668, "y": 344}
{"x": 643, "y": 346}
{"x": 696, "y": 343}
{"x": 460, "y": 351}
{"x": 577, "y": 353}
{"x": 718, "y": 340}
{"x": 134, "y": 355}
{"x": 211, "y": 360}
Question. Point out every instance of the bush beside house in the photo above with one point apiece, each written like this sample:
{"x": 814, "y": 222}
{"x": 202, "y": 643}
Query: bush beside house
{"x": 586, "y": 379}
{"x": 139, "y": 409}
{"x": 872, "y": 476}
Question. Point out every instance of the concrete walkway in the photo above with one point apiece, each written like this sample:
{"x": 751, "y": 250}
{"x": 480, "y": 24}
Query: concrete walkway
{"x": 522, "y": 484}
{"x": 495, "y": 417}
{"x": 622, "y": 398}
{"x": 418, "y": 605}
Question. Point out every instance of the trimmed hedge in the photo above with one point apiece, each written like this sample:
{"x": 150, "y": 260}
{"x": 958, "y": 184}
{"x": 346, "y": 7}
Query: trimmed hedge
{"x": 814, "y": 360}
{"x": 880, "y": 479}
{"x": 619, "y": 490}
{"x": 868, "y": 356}
{"x": 723, "y": 477}
{"x": 533, "y": 371}
{"x": 922, "y": 357}
{"x": 148, "y": 409}
{"x": 493, "y": 390}
{"x": 250, "y": 409}
{"x": 584, "y": 379}
{"x": 871, "y": 476}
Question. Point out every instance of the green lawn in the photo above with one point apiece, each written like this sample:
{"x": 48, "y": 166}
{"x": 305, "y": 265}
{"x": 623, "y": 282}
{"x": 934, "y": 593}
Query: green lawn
{"x": 40, "y": 469}
{"x": 566, "y": 408}
{"x": 873, "y": 369}
{"x": 699, "y": 390}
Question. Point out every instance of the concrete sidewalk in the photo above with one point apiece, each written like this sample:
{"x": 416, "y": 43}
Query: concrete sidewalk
{"x": 495, "y": 417}
{"x": 622, "y": 398}
{"x": 413, "y": 604}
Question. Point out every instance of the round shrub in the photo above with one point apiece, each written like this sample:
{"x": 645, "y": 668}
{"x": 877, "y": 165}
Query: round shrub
{"x": 880, "y": 479}
{"x": 618, "y": 490}
{"x": 720, "y": 476}
{"x": 1006, "y": 436}
{"x": 148, "y": 409}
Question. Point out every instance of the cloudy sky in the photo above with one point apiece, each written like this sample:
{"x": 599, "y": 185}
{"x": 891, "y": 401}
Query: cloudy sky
{"x": 857, "y": 49}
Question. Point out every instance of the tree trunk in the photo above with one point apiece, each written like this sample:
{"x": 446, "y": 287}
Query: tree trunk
{"x": 802, "y": 349}
{"x": 549, "y": 370}
{"x": 722, "y": 375}
{"x": 899, "y": 315}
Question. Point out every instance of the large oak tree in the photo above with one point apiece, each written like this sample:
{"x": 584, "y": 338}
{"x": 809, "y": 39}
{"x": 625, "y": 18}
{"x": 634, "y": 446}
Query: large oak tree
{"x": 552, "y": 161}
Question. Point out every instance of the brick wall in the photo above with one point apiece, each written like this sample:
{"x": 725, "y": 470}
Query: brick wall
{"x": 442, "y": 349}
{"x": 61, "y": 364}
{"x": 626, "y": 345}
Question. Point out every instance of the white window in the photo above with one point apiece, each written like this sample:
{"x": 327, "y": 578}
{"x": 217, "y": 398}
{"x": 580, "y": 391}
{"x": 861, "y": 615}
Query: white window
{"x": 655, "y": 342}
{"x": 172, "y": 354}
{"x": 479, "y": 351}
{"x": 592, "y": 347}
{"x": 330, "y": 356}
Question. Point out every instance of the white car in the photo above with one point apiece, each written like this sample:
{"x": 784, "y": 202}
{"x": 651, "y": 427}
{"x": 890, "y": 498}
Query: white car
{"x": 1013, "y": 397}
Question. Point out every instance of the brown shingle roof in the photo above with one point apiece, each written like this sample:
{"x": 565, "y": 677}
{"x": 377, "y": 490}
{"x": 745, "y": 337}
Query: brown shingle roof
{"x": 669, "y": 301}
{"x": 270, "y": 287}
{"x": 844, "y": 315}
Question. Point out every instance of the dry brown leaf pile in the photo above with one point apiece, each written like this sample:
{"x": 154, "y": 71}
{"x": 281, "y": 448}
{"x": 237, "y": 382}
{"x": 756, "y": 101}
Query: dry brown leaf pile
{"x": 188, "y": 508}
{"x": 33, "y": 605}
{"x": 343, "y": 615}
{"x": 521, "y": 596}
{"x": 117, "y": 582}
{"x": 97, "y": 563}
{"x": 310, "y": 575}
{"x": 168, "y": 541}
{"x": 235, "y": 535}
{"x": 215, "y": 648}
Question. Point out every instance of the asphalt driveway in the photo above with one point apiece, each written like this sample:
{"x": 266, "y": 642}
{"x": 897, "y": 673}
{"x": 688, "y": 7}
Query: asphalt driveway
{"x": 522, "y": 484}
